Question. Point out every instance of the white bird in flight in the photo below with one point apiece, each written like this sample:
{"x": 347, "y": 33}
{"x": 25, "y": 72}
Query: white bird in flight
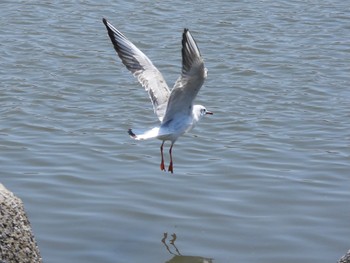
{"x": 174, "y": 108}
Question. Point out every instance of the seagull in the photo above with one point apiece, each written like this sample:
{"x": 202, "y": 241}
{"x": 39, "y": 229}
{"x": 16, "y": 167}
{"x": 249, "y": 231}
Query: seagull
{"x": 174, "y": 109}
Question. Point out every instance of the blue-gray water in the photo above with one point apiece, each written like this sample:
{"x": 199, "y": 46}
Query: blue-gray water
{"x": 265, "y": 179}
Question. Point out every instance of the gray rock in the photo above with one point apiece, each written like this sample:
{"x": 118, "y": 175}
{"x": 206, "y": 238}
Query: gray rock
{"x": 17, "y": 243}
{"x": 345, "y": 258}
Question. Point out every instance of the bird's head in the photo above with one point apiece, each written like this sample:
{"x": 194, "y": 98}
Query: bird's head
{"x": 200, "y": 111}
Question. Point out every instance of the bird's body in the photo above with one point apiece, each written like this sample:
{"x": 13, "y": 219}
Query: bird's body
{"x": 174, "y": 108}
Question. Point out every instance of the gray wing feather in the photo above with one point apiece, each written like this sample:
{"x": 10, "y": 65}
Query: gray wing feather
{"x": 142, "y": 68}
{"x": 189, "y": 83}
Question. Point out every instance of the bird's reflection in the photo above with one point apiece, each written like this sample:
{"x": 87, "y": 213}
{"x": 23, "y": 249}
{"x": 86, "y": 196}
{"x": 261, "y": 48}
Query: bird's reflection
{"x": 178, "y": 258}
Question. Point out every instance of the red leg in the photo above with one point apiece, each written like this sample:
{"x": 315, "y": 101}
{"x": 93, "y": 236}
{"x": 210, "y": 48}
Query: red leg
{"x": 162, "y": 167}
{"x": 170, "y": 168}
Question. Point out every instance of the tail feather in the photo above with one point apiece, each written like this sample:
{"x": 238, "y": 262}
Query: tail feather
{"x": 132, "y": 135}
{"x": 153, "y": 133}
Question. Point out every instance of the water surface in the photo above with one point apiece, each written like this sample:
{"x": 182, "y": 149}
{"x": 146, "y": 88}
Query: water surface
{"x": 265, "y": 179}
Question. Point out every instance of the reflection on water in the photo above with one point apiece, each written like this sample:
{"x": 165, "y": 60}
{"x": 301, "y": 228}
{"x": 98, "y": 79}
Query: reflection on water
{"x": 178, "y": 258}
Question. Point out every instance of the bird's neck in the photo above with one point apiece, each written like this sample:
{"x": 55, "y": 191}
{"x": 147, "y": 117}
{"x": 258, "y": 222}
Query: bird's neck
{"x": 196, "y": 116}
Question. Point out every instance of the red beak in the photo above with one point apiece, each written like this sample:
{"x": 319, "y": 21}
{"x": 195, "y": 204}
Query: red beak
{"x": 209, "y": 112}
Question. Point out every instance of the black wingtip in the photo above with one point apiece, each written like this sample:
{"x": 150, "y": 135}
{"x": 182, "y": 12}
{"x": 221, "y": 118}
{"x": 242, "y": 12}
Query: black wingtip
{"x": 184, "y": 35}
{"x": 111, "y": 34}
{"x": 186, "y": 62}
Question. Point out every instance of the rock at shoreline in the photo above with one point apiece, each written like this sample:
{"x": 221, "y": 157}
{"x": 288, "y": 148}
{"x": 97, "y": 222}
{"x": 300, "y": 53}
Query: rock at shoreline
{"x": 345, "y": 258}
{"x": 17, "y": 243}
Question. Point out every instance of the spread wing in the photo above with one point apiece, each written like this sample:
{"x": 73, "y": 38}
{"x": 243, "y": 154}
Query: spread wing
{"x": 189, "y": 83}
{"x": 142, "y": 68}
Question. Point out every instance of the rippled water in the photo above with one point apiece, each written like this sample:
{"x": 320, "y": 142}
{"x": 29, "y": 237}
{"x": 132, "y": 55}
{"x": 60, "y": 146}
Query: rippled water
{"x": 265, "y": 179}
